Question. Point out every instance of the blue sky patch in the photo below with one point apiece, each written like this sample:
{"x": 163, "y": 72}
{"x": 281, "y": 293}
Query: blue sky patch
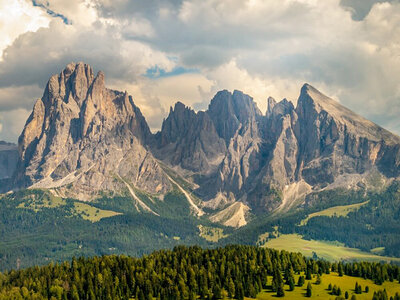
{"x": 51, "y": 12}
{"x": 157, "y": 72}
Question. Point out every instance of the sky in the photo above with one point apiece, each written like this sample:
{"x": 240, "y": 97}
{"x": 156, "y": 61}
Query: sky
{"x": 173, "y": 50}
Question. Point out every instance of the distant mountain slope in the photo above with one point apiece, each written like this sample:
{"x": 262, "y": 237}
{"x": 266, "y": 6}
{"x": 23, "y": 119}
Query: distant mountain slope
{"x": 82, "y": 138}
{"x": 83, "y": 141}
{"x": 279, "y": 157}
{"x": 8, "y": 159}
{"x": 255, "y": 174}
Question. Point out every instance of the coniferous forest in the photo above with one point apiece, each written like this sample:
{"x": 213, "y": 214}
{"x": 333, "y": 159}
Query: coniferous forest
{"x": 183, "y": 273}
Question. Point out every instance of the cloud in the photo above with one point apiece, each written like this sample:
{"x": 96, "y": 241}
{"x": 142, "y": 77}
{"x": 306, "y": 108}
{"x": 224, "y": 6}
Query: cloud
{"x": 162, "y": 51}
{"x": 155, "y": 96}
{"x": 102, "y": 48}
{"x": 71, "y": 11}
{"x": 18, "y": 17}
{"x": 12, "y": 123}
{"x": 361, "y": 8}
{"x": 12, "y": 97}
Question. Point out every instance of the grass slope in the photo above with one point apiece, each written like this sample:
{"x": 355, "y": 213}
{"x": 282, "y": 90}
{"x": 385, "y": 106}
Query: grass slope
{"x": 44, "y": 199}
{"x": 345, "y": 283}
{"x": 211, "y": 234}
{"x": 336, "y": 211}
{"x": 332, "y": 251}
{"x": 91, "y": 213}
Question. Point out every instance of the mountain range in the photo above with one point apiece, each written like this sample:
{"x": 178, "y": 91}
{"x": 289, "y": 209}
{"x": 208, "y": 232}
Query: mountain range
{"x": 231, "y": 162}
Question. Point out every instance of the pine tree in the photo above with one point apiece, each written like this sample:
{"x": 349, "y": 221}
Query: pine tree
{"x": 291, "y": 284}
{"x": 277, "y": 283}
{"x": 252, "y": 291}
{"x": 301, "y": 281}
{"x": 334, "y": 290}
{"x": 309, "y": 290}
{"x": 231, "y": 288}
{"x": 74, "y": 294}
{"x": 217, "y": 292}
{"x": 308, "y": 273}
{"x": 141, "y": 295}
{"x": 358, "y": 288}
{"x": 239, "y": 293}
{"x": 318, "y": 280}
{"x": 340, "y": 269}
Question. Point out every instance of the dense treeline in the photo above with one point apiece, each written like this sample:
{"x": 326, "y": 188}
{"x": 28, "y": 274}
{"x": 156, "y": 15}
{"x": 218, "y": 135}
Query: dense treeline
{"x": 376, "y": 224}
{"x": 182, "y": 273}
{"x": 55, "y": 234}
{"x": 288, "y": 223}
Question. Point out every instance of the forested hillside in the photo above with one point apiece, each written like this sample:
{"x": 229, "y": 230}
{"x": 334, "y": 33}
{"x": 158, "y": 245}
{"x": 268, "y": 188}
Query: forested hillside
{"x": 185, "y": 273}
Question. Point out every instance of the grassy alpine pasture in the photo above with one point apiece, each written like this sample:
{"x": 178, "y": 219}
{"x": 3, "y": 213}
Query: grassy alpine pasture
{"x": 37, "y": 202}
{"x": 332, "y": 251}
{"x": 211, "y": 234}
{"x": 345, "y": 283}
{"x": 91, "y": 213}
{"x": 336, "y": 211}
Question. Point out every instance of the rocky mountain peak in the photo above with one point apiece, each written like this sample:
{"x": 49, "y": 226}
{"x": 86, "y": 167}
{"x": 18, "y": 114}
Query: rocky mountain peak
{"x": 81, "y": 127}
{"x": 71, "y": 84}
{"x": 281, "y": 108}
{"x": 312, "y": 102}
{"x": 229, "y": 111}
{"x": 271, "y": 102}
{"x": 84, "y": 135}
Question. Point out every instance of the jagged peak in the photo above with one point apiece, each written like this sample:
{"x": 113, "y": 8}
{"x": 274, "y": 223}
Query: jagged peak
{"x": 76, "y": 67}
{"x": 235, "y": 103}
{"x": 283, "y": 107}
{"x": 72, "y": 82}
{"x": 312, "y": 99}
{"x": 310, "y": 93}
{"x": 180, "y": 107}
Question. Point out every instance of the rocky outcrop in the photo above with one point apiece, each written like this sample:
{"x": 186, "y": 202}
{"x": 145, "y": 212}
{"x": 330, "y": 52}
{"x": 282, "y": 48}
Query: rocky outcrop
{"x": 270, "y": 160}
{"x": 82, "y": 139}
{"x": 334, "y": 140}
{"x": 82, "y": 134}
{"x": 190, "y": 140}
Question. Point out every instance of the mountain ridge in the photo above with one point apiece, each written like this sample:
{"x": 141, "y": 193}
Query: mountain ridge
{"x": 83, "y": 140}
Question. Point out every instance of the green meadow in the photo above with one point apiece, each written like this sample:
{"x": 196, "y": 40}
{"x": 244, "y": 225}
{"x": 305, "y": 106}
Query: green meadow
{"x": 345, "y": 283}
{"x": 336, "y": 211}
{"x": 332, "y": 251}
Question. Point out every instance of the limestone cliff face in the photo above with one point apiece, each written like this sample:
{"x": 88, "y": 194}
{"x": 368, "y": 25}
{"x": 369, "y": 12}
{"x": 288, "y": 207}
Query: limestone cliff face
{"x": 190, "y": 140}
{"x": 83, "y": 138}
{"x": 270, "y": 157}
{"x": 82, "y": 133}
{"x": 334, "y": 140}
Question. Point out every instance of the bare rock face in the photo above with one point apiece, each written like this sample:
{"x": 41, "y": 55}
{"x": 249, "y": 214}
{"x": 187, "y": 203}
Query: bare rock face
{"x": 242, "y": 158}
{"x": 334, "y": 140}
{"x": 82, "y": 133}
{"x": 8, "y": 159}
{"x": 272, "y": 159}
{"x": 82, "y": 139}
{"x": 189, "y": 140}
